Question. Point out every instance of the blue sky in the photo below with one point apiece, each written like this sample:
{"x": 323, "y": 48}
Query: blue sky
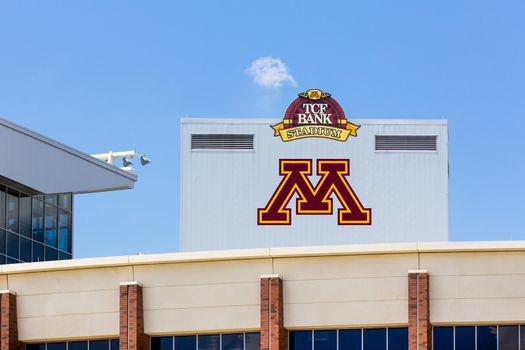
{"x": 114, "y": 75}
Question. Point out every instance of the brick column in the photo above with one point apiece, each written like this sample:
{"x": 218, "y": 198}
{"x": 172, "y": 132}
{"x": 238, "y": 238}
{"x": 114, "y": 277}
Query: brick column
{"x": 273, "y": 334}
{"x": 132, "y": 336}
{"x": 419, "y": 328}
{"x": 8, "y": 322}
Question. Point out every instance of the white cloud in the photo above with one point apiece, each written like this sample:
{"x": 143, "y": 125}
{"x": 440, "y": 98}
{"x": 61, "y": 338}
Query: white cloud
{"x": 270, "y": 72}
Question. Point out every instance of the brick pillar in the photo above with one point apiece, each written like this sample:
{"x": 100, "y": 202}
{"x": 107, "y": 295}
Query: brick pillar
{"x": 8, "y": 322}
{"x": 419, "y": 328}
{"x": 273, "y": 334}
{"x": 132, "y": 336}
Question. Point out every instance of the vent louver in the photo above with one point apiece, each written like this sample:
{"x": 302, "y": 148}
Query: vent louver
{"x": 222, "y": 142}
{"x": 406, "y": 143}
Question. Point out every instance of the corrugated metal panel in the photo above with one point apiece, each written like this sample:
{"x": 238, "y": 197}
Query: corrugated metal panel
{"x": 221, "y": 191}
{"x": 222, "y": 141}
{"x": 406, "y": 143}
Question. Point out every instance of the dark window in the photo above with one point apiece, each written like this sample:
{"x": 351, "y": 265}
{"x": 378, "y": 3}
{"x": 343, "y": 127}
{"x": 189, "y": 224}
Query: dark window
{"x": 64, "y": 231}
{"x": 12, "y": 245}
{"x": 300, "y": 340}
{"x": 41, "y": 346}
{"x": 233, "y": 341}
{"x": 487, "y": 338}
{"x": 51, "y": 254}
{"x": 325, "y": 340}
{"x": 64, "y": 201}
{"x": 2, "y": 241}
{"x": 51, "y": 199}
{"x": 465, "y": 338}
{"x": 374, "y": 339}
{"x": 38, "y": 220}
{"x": 56, "y": 346}
{"x": 350, "y": 339}
{"x": 38, "y": 252}
{"x": 253, "y": 341}
{"x": 2, "y": 259}
{"x": 162, "y": 343}
{"x": 2, "y": 206}
{"x": 50, "y": 224}
{"x": 209, "y": 342}
{"x": 12, "y": 211}
{"x": 114, "y": 343}
{"x": 77, "y": 345}
{"x": 397, "y": 338}
{"x": 25, "y": 215}
{"x": 64, "y": 256}
{"x": 508, "y": 337}
{"x": 9, "y": 260}
{"x": 522, "y": 337}
{"x": 186, "y": 342}
{"x": 25, "y": 249}
{"x": 98, "y": 345}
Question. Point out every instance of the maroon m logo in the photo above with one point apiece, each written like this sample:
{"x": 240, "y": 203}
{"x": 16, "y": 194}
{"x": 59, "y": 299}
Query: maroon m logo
{"x": 314, "y": 200}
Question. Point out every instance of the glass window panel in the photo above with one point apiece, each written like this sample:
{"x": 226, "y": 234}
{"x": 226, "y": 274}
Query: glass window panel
{"x": 12, "y": 211}
{"x": 350, "y": 339}
{"x": 64, "y": 201}
{"x": 25, "y": 249}
{"x": 64, "y": 224}
{"x": 2, "y": 241}
{"x": 40, "y": 346}
{"x": 51, "y": 254}
{"x": 300, "y": 340}
{"x": 50, "y": 223}
{"x": 2, "y": 206}
{"x": 77, "y": 345}
{"x": 508, "y": 337}
{"x": 25, "y": 215}
{"x": 487, "y": 337}
{"x": 2, "y": 259}
{"x": 374, "y": 339}
{"x": 162, "y": 343}
{"x": 522, "y": 337}
{"x": 38, "y": 220}
{"x": 325, "y": 340}
{"x": 233, "y": 341}
{"x": 38, "y": 252}
{"x": 209, "y": 342}
{"x": 98, "y": 345}
{"x": 56, "y": 346}
{"x": 253, "y": 341}
{"x": 9, "y": 260}
{"x": 465, "y": 338}
{"x": 52, "y": 199}
{"x": 64, "y": 256}
{"x": 12, "y": 245}
{"x": 186, "y": 342}
{"x": 397, "y": 338}
{"x": 114, "y": 344}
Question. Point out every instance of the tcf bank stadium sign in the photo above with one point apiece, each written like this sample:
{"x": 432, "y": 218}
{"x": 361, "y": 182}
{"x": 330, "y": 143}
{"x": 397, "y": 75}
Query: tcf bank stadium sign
{"x": 314, "y": 114}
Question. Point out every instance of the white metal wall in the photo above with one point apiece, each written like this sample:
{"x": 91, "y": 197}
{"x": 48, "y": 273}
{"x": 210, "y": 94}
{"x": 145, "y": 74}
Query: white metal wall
{"x": 221, "y": 190}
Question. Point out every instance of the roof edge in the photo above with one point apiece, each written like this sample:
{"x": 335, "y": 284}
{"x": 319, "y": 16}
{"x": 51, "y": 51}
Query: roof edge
{"x": 266, "y": 253}
{"x": 197, "y": 120}
{"x": 65, "y": 148}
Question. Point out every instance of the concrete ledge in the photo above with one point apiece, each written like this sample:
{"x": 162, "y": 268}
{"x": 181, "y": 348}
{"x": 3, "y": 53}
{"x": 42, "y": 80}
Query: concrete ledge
{"x": 266, "y": 253}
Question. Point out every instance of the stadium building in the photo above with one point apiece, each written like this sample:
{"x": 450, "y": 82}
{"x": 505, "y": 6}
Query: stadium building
{"x": 318, "y": 233}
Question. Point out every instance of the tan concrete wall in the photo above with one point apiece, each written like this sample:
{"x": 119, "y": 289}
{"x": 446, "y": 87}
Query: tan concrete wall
{"x": 80, "y": 299}
{"x": 345, "y": 290}
{"x": 476, "y": 287}
{"x": 68, "y": 304}
{"x": 201, "y": 296}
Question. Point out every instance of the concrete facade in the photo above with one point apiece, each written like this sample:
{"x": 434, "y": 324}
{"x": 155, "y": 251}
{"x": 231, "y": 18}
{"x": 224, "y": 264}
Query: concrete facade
{"x": 317, "y": 288}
